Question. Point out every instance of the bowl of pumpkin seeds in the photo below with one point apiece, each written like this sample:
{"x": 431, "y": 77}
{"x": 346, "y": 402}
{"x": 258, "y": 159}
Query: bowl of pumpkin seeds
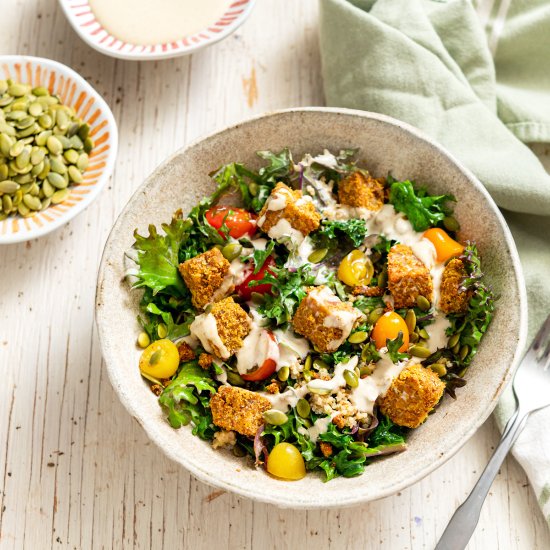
{"x": 58, "y": 145}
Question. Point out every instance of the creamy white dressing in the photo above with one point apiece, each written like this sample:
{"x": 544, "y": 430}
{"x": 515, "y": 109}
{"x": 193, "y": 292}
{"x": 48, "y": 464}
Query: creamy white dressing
{"x": 299, "y": 254}
{"x": 275, "y": 202}
{"x": 438, "y": 339}
{"x": 320, "y": 426}
{"x": 228, "y": 283}
{"x": 286, "y": 400}
{"x": 337, "y": 381}
{"x": 258, "y": 347}
{"x": 283, "y": 231}
{"x": 204, "y": 328}
{"x": 292, "y": 349}
{"x": 144, "y": 22}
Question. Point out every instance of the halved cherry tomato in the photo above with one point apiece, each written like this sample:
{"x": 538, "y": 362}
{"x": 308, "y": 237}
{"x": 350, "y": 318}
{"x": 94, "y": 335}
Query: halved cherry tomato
{"x": 388, "y": 327}
{"x": 286, "y": 462}
{"x": 269, "y": 355}
{"x": 445, "y": 247}
{"x": 246, "y": 291}
{"x": 240, "y": 222}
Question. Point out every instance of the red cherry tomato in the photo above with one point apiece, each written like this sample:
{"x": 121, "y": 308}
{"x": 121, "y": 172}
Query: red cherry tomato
{"x": 246, "y": 291}
{"x": 269, "y": 364}
{"x": 239, "y": 222}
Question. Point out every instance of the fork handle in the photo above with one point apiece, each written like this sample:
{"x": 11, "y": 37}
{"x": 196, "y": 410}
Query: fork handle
{"x": 463, "y": 523}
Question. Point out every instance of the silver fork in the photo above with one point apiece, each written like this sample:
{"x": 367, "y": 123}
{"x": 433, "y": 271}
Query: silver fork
{"x": 532, "y": 391}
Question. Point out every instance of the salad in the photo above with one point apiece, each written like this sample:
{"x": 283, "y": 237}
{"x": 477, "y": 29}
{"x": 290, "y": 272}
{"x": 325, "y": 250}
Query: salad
{"x": 307, "y": 314}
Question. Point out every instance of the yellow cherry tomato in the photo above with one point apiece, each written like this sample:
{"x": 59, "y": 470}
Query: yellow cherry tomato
{"x": 388, "y": 327}
{"x": 445, "y": 247}
{"x": 356, "y": 269}
{"x": 285, "y": 461}
{"x": 160, "y": 359}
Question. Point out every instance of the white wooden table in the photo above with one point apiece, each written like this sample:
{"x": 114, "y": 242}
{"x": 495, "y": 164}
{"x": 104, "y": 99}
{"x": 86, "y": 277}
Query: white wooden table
{"x": 75, "y": 470}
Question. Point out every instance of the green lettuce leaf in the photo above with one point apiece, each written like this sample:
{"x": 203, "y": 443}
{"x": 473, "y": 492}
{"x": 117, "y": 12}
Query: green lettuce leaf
{"x": 422, "y": 210}
{"x": 338, "y": 233}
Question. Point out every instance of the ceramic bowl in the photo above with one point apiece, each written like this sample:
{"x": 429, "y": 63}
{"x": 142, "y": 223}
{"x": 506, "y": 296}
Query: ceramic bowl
{"x": 84, "y": 22}
{"x": 90, "y": 106}
{"x": 386, "y": 145}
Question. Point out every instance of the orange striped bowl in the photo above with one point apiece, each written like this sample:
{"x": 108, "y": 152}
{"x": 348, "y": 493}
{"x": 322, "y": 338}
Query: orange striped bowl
{"x": 90, "y": 106}
{"x": 83, "y": 21}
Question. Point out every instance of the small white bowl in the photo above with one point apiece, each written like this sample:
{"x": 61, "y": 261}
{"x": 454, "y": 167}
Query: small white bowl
{"x": 82, "y": 19}
{"x": 90, "y": 107}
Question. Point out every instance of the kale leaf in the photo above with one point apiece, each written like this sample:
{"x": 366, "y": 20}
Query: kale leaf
{"x": 288, "y": 290}
{"x": 335, "y": 233}
{"x": 393, "y": 348}
{"x": 422, "y": 210}
{"x": 185, "y": 400}
{"x": 386, "y": 433}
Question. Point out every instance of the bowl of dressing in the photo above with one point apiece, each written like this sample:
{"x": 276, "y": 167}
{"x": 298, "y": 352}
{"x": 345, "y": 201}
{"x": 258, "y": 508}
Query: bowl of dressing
{"x": 146, "y": 30}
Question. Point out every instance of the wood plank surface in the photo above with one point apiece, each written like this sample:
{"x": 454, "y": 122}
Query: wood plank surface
{"x": 75, "y": 470}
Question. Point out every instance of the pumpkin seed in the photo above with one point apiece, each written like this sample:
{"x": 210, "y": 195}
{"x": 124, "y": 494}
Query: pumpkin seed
{"x": 82, "y": 163}
{"x": 453, "y": 340}
{"x": 23, "y": 158}
{"x": 59, "y": 196}
{"x": 6, "y": 143}
{"x": 375, "y": 314}
{"x": 275, "y": 417}
{"x": 3, "y": 87}
{"x": 7, "y": 204}
{"x": 45, "y": 121}
{"x": 8, "y": 186}
{"x": 143, "y": 340}
{"x": 423, "y": 333}
{"x": 234, "y": 379}
{"x": 54, "y": 145}
{"x": 32, "y": 203}
{"x": 23, "y": 209}
{"x": 451, "y": 224}
{"x": 162, "y": 330}
{"x": 57, "y": 165}
{"x": 18, "y": 90}
{"x": 365, "y": 370}
{"x": 319, "y": 364}
{"x": 317, "y": 255}
{"x": 303, "y": 408}
{"x": 57, "y": 180}
{"x": 155, "y": 357}
{"x": 229, "y": 251}
{"x": 423, "y": 303}
{"x": 456, "y": 348}
{"x": 413, "y": 338}
{"x": 419, "y": 351}
{"x": 383, "y": 279}
{"x": 35, "y": 109}
{"x": 351, "y": 378}
{"x": 439, "y": 369}
{"x": 358, "y": 337}
{"x": 71, "y": 156}
{"x": 283, "y": 374}
{"x": 319, "y": 390}
{"x": 40, "y": 91}
{"x": 410, "y": 320}
{"x": 84, "y": 131}
{"x": 464, "y": 351}
{"x": 88, "y": 144}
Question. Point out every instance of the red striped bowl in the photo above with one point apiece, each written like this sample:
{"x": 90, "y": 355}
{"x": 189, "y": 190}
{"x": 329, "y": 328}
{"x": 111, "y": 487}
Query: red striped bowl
{"x": 90, "y": 106}
{"x": 83, "y": 21}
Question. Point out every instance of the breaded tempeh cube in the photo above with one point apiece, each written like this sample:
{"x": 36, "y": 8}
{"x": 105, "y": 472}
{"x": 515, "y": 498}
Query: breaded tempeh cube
{"x": 361, "y": 190}
{"x": 452, "y": 299}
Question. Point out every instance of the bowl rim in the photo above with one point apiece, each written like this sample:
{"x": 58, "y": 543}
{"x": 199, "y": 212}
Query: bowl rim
{"x": 149, "y": 426}
{"x": 82, "y": 83}
{"x": 166, "y": 50}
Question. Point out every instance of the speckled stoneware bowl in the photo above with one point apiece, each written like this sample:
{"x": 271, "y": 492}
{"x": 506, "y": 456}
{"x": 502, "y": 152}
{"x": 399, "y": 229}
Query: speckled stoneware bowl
{"x": 386, "y": 144}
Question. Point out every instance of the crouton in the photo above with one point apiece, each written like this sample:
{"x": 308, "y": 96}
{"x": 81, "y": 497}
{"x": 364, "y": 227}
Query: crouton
{"x": 287, "y": 213}
{"x": 205, "y": 361}
{"x": 186, "y": 352}
{"x": 408, "y": 277}
{"x": 324, "y": 319}
{"x": 222, "y": 329}
{"x": 361, "y": 190}
{"x": 239, "y": 410}
{"x": 452, "y": 299}
{"x": 411, "y": 396}
{"x": 208, "y": 277}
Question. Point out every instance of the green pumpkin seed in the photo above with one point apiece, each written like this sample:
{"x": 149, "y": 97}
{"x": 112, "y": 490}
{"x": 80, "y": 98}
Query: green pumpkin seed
{"x": 303, "y": 408}
{"x": 88, "y": 144}
{"x": 283, "y": 374}
{"x": 84, "y": 131}
{"x": 40, "y": 91}
{"x": 71, "y": 156}
{"x": 464, "y": 351}
{"x": 45, "y": 203}
{"x": 32, "y": 203}
{"x": 162, "y": 330}
{"x": 57, "y": 180}
{"x": 234, "y": 379}
{"x": 451, "y": 224}
{"x": 7, "y": 204}
{"x": 155, "y": 357}
{"x": 34, "y": 190}
{"x": 229, "y": 251}
{"x": 45, "y": 121}
{"x": 3, "y": 87}
{"x": 383, "y": 279}
{"x": 275, "y": 417}
{"x": 5, "y": 101}
{"x": 351, "y": 378}
{"x": 57, "y": 165}
{"x": 58, "y": 196}
{"x": 423, "y": 333}
{"x": 16, "y": 149}
{"x": 23, "y": 209}
{"x": 42, "y": 138}
{"x": 410, "y": 320}
{"x": 319, "y": 391}
{"x": 456, "y": 348}
{"x": 54, "y": 145}
{"x": 375, "y": 314}
{"x": 8, "y": 186}
{"x": 319, "y": 364}
{"x": 82, "y": 163}
{"x": 358, "y": 337}
{"x": 35, "y": 109}
{"x": 419, "y": 351}
{"x": 143, "y": 340}
{"x": 76, "y": 143}
{"x": 6, "y": 143}
{"x": 63, "y": 120}
{"x": 4, "y": 172}
{"x": 72, "y": 129}
{"x": 25, "y": 122}
{"x": 365, "y": 370}
{"x": 23, "y": 158}
{"x": 453, "y": 340}
{"x": 439, "y": 369}
{"x": 423, "y": 303}
{"x": 37, "y": 156}
{"x": 317, "y": 255}
{"x": 413, "y": 338}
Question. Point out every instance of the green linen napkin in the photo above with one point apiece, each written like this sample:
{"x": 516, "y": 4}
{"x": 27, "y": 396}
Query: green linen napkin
{"x": 479, "y": 83}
